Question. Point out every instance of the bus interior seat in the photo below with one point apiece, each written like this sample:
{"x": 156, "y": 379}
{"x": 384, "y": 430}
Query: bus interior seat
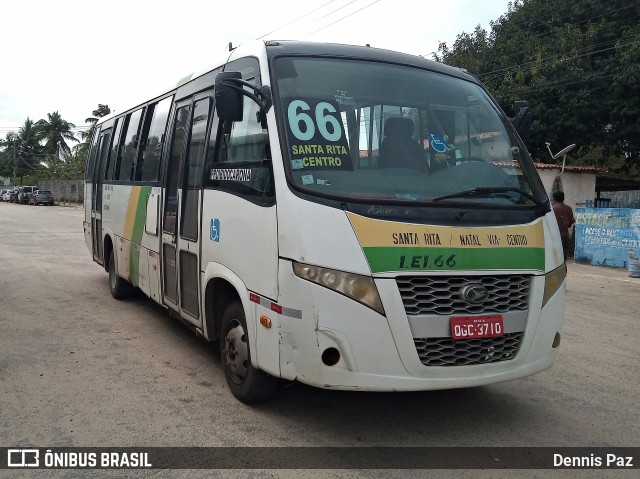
{"x": 398, "y": 148}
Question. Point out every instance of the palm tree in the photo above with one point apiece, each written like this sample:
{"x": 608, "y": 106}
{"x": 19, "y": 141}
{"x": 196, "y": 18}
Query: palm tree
{"x": 29, "y": 144}
{"x": 7, "y": 154}
{"x": 23, "y": 147}
{"x": 55, "y": 131}
{"x": 102, "y": 110}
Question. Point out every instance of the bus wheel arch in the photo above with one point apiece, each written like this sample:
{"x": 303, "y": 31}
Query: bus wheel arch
{"x": 107, "y": 248}
{"x": 218, "y": 295}
{"x": 226, "y": 322}
{"x": 118, "y": 286}
{"x": 246, "y": 382}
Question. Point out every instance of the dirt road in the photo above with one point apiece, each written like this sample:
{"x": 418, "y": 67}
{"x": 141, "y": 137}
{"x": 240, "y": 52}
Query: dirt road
{"x": 78, "y": 368}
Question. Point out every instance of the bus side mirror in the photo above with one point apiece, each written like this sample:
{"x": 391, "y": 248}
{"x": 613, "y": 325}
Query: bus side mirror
{"x": 523, "y": 120}
{"x": 228, "y": 96}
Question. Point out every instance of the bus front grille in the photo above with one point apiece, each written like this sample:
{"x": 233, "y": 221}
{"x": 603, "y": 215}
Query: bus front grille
{"x": 449, "y": 352}
{"x": 427, "y": 297}
{"x": 443, "y": 294}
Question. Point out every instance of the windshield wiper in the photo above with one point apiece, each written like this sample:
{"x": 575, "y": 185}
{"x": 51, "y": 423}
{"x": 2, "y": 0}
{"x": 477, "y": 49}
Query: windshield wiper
{"x": 489, "y": 190}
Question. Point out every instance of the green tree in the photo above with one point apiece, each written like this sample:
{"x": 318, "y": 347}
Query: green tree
{"x": 102, "y": 110}
{"x": 576, "y": 63}
{"x": 81, "y": 151}
{"x": 55, "y": 132}
{"x": 23, "y": 150}
{"x": 7, "y": 154}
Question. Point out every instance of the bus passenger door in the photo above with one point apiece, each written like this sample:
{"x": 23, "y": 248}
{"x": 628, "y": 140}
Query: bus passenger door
{"x": 104, "y": 144}
{"x": 181, "y": 214}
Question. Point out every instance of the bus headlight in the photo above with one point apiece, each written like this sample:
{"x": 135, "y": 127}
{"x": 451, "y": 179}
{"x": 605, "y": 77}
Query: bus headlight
{"x": 553, "y": 281}
{"x": 360, "y": 288}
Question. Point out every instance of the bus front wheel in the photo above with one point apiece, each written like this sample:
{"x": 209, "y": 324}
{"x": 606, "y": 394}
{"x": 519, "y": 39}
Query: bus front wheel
{"x": 247, "y": 384}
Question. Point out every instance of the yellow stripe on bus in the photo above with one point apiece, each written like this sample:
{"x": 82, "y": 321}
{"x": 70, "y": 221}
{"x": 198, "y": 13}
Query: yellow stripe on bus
{"x": 379, "y": 233}
{"x": 132, "y": 207}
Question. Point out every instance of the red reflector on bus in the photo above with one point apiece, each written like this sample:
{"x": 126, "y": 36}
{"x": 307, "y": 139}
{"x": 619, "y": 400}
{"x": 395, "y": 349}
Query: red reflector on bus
{"x": 254, "y": 298}
{"x": 276, "y": 307}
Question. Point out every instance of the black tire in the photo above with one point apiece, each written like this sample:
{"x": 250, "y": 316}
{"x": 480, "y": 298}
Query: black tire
{"x": 119, "y": 287}
{"x": 247, "y": 384}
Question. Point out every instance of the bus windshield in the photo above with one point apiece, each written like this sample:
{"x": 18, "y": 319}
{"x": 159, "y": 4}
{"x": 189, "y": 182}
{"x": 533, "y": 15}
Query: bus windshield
{"x": 370, "y": 131}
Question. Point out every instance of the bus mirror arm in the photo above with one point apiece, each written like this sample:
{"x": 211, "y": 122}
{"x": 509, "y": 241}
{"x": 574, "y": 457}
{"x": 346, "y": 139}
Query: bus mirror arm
{"x": 523, "y": 120}
{"x": 227, "y": 81}
{"x": 262, "y": 97}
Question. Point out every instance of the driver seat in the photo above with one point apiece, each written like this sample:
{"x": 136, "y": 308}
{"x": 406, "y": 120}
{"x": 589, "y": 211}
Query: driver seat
{"x": 399, "y": 149}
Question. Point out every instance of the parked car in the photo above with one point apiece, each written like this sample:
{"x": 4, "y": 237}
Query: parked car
{"x": 13, "y": 196}
{"x": 2, "y": 193}
{"x": 41, "y": 197}
{"x": 25, "y": 193}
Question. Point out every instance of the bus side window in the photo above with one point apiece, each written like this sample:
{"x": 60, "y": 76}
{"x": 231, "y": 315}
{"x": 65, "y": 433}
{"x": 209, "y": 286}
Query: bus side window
{"x": 105, "y": 143}
{"x": 130, "y": 146}
{"x": 112, "y": 172}
{"x": 151, "y": 140}
{"x": 92, "y": 156}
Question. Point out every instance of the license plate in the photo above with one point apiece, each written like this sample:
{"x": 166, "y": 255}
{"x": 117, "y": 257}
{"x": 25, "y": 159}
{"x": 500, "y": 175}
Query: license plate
{"x": 473, "y": 327}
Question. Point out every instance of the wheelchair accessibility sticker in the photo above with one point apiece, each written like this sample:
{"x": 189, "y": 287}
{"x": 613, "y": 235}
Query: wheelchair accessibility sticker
{"x": 214, "y": 232}
{"x": 438, "y": 143}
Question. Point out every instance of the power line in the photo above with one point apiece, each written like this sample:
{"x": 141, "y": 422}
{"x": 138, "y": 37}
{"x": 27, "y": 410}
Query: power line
{"x": 551, "y": 20}
{"x": 317, "y": 20}
{"x": 560, "y": 83}
{"x": 570, "y": 57}
{"x": 333, "y": 11}
{"x": 340, "y": 19}
{"x": 296, "y": 19}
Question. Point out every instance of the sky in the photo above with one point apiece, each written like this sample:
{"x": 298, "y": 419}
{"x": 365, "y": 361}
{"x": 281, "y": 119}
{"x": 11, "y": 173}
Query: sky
{"x": 71, "y": 55}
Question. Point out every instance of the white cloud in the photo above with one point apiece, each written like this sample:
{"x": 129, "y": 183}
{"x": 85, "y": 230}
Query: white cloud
{"x": 70, "y": 55}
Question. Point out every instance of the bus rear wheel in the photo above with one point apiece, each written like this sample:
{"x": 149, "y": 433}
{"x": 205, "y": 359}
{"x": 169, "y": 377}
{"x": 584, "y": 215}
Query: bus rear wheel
{"x": 119, "y": 287}
{"x": 247, "y": 383}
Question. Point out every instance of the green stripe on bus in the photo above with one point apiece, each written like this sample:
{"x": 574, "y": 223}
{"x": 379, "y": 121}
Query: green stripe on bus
{"x": 382, "y": 258}
{"x": 136, "y": 237}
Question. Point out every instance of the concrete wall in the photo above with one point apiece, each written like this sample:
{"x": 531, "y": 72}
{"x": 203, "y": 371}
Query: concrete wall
{"x": 623, "y": 199}
{"x": 68, "y": 191}
{"x": 577, "y": 187}
{"x": 64, "y": 191}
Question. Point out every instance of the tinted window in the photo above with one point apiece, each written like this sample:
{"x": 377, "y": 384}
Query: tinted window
{"x": 178, "y": 146}
{"x": 130, "y": 142}
{"x": 153, "y": 144}
{"x": 403, "y": 134}
{"x": 193, "y": 169}
{"x": 111, "y": 171}
{"x": 92, "y": 156}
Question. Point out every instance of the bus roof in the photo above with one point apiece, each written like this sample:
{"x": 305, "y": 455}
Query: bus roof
{"x": 303, "y": 48}
{"x": 337, "y": 50}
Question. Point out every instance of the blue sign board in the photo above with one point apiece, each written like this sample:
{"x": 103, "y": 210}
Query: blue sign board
{"x": 604, "y": 236}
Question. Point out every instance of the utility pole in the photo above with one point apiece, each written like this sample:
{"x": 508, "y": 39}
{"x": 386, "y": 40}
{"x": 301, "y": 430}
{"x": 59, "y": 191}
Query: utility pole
{"x": 15, "y": 164}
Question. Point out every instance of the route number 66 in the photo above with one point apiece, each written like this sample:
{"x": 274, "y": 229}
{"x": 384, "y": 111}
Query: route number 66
{"x": 298, "y": 118}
